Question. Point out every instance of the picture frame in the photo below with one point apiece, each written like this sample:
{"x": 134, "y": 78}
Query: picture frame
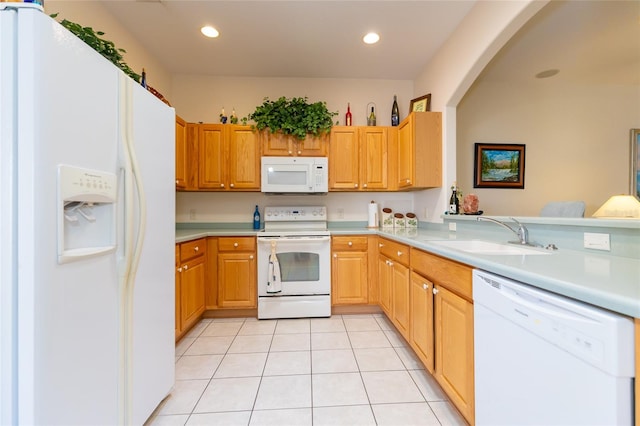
{"x": 634, "y": 169}
{"x": 499, "y": 165}
{"x": 421, "y": 104}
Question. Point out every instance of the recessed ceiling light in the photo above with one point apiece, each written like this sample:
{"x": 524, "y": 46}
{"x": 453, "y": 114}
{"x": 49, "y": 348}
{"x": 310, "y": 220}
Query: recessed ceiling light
{"x": 371, "y": 38}
{"x": 547, "y": 73}
{"x": 209, "y": 31}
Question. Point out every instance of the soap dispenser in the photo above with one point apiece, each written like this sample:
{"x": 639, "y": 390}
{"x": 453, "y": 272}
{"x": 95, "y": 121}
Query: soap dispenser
{"x": 256, "y": 218}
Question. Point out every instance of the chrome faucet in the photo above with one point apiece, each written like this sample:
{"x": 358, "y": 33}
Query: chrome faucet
{"x": 522, "y": 233}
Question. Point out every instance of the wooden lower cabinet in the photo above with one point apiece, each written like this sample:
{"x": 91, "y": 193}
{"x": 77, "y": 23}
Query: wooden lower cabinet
{"x": 394, "y": 283}
{"x": 190, "y": 284}
{"x": 453, "y": 329}
{"x": 421, "y": 320}
{"x": 237, "y": 286}
{"x": 349, "y": 270}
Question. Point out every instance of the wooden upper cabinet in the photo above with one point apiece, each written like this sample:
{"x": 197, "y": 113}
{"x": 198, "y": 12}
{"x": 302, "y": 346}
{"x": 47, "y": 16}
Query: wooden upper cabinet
{"x": 244, "y": 159}
{"x": 419, "y": 151}
{"x": 211, "y": 156}
{"x": 279, "y": 145}
{"x": 181, "y": 153}
{"x": 358, "y": 158}
{"x": 344, "y": 158}
{"x": 228, "y": 158}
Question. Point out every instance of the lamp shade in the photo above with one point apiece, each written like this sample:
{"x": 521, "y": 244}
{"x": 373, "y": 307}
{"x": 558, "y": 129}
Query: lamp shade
{"x": 620, "y": 206}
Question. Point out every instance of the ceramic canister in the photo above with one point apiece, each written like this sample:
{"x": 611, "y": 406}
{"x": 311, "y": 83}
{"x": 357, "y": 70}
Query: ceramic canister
{"x": 387, "y": 218}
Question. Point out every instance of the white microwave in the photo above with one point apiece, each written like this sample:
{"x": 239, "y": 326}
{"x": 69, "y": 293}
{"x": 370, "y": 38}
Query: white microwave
{"x": 282, "y": 175}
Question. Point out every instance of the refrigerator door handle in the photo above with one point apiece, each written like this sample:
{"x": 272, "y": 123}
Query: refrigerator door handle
{"x": 132, "y": 244}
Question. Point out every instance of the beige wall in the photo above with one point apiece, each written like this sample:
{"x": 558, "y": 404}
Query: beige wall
{"x": 92, "y": 14}
{"x": 577, "y": 141}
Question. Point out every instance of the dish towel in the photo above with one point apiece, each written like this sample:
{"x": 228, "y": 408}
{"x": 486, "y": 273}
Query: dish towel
{"x": 274, "y": 283}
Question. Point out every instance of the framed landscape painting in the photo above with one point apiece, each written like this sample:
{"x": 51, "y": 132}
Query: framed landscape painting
{"x": 499, "y": 166}
{"x": 634, "y": 178}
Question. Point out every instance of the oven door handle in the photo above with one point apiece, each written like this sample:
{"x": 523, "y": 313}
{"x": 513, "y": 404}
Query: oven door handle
{"x": 267, "y": 240}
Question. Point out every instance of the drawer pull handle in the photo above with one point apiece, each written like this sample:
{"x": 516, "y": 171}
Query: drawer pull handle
{"x": 196, "y": 248}
{"x": 232, "y": 185}
{"x": 364, "y": 186}
{"x": 335, "y": 256}
{"x": 235, "y": 244}
{"x": 350, "y": 243}
{"x": 222, "y": 185}
{"x": 251, "y": 257}
{"x": 399, "y": 253}
{"x": 380, "y": 245}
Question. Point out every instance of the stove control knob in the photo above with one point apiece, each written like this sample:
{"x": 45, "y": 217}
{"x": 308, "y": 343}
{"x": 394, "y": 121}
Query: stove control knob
{"x": 315, "y": 212}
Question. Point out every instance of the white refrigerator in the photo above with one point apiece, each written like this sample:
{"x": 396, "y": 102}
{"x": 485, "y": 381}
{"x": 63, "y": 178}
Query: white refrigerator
{"x": 87, "y": 236}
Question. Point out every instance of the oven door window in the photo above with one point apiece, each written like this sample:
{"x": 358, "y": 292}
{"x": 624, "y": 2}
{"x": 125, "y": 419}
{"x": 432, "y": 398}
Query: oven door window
{"x": 299, "y": 266}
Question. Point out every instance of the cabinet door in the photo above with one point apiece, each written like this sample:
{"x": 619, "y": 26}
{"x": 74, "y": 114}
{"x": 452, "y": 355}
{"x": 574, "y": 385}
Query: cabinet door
{"x": 211, "y": 285}
{"x": 385, "y": 275}
{"x": 312, "y": 146}
{"x": 421, "y": 322}
{"x": 373, "y": 158}
{"x": 276, "y": 144}
{"x": 192, "y": 291}
{"x": 237, "y": 280}
{"x": 405, "y": 155}
{"x": 211, "y": 157}
{"x": 244, "y": 159}
{"x": 349, "y": 278}
{"x": 344, "y": 159}
{"x": 177, "y": 298}
{"x": 454, "y": 349}
{"x": 400, "y": 307}
{"x": 181, "y": 153}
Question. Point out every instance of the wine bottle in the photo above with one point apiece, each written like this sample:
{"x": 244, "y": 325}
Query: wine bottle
{"x": 256, "y": 218}
{"x": 395, "y": 114}
{"x": 454, "y": 203}
{"x": 347, "y": 117}
{"x": 143, "y": 79}
{"x": 371, "y": 121}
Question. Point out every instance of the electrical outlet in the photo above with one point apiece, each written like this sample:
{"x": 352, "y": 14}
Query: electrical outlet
{"x": 340, "y": 213}
{"x": 452, "y": 226}
{"x": 192, "y": 214}
{"x": 597, "y": 241}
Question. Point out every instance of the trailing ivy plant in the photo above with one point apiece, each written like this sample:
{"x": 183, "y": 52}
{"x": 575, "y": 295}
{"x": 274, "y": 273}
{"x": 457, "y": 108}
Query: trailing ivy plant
{"x": 293, "y": 116}
{"x": 104, "y": 47}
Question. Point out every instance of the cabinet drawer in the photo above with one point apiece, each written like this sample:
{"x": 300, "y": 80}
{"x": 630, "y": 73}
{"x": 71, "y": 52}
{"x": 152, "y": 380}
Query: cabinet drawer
{"x": 192, "y": 249}
{"x": 393, "y": 250}
{"x": 452, "y": 275}
{"x": 349, "y": 243}
{"x": 236, "y": 244}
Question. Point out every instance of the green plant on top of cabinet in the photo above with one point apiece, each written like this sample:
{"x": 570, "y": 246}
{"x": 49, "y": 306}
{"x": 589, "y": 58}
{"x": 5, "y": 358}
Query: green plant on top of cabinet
{"x": 419, "y": 151}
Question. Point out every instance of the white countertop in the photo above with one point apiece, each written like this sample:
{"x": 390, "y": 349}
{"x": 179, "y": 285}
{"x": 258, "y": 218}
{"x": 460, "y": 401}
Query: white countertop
{"x": 611, "y": 282}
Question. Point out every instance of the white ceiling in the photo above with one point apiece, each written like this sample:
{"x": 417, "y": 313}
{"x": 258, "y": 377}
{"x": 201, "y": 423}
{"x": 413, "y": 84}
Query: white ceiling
{"x": 295, "y": 38}
{"x": 586, "y": 40}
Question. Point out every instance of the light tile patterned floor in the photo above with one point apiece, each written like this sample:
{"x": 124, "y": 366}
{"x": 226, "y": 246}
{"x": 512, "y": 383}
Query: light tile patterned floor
{"x": 344, "y": 370}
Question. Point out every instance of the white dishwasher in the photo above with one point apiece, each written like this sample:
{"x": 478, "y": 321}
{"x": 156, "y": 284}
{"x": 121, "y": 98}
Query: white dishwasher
{"x": 544, "y": 359}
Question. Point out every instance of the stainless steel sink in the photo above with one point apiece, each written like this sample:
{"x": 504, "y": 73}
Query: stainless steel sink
{"x": 488, "y": 247}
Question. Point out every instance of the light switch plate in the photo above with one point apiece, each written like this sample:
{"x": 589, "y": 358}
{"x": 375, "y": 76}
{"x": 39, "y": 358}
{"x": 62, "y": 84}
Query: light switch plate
{"x": 597, "y": 241}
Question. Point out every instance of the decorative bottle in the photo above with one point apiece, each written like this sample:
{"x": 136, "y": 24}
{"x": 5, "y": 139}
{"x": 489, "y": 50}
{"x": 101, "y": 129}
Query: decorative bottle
{"x": 143, "y": 79}
{"x": 371, "y": 121}
{"x": 454, "y": 203}
{"x": 256, "y": 218}
{"x": 347, "y": 117}
{"x": 395, "y": 114}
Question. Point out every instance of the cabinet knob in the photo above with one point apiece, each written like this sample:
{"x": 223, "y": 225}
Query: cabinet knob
{"x": 290, "y": 152}
{"x": 425, "y": 286}
{"x": 350, "y": 243}
{"x": 335, "y": 256}
{"x": 222, "y": 185}
{"x": 364, "y": 186}
{"x": 408, "y": 181}
{"x": 235, "y": 244}
{"x": 399, "y": 253}
{"x": 435, "y": 291}
{"x": 380, "y": 245}
{"x": 355, "y": 185}
{"x": 251, "y": 257}
{"x": 179, "y": 269}
{"x": 232, "y": 185}
{"x": 185, "y": 267}
{"x": 196, "y": 248}
{"x": 176, "y": 181}
{"x": 299, "y": 152}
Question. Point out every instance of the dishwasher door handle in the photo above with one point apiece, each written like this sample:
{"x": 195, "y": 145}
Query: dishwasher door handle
{"x": 544, "y": 307}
